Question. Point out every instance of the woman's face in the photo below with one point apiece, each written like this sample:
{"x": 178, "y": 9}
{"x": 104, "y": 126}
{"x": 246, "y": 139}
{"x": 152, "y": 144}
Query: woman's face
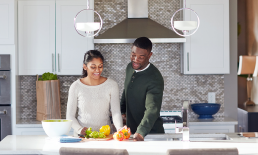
{"x": 94, "y": 68}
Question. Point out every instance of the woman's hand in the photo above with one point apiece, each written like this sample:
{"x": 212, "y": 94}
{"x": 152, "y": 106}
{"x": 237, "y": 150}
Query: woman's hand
{"x": 83, "y": 131}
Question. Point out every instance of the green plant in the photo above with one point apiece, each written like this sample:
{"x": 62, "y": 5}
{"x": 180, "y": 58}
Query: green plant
{"x": 48, "y": 76}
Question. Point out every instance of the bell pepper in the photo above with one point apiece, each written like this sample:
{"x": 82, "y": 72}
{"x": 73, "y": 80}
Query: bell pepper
{"x": 105, "y": 129}
{"x": 118, "y": 136}
{"x": 127, "y": 133}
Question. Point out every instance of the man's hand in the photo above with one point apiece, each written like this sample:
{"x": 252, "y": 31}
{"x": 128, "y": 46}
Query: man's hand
{"x": 138, "y": 137}
{"x": 83, "y": 131}
{"x": 124, "y": 119}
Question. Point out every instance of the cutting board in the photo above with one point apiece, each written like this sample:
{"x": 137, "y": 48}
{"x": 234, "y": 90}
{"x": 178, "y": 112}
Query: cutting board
{"x": 109, "y": 137}
{"x": 250, "y": 134}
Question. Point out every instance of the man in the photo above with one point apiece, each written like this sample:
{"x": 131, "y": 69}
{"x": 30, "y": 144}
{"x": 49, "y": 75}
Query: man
{"x": 143, "y": 91}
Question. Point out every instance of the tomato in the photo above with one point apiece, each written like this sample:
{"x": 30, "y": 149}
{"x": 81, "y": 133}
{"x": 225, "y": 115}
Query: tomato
{"x": 118, "y": 136}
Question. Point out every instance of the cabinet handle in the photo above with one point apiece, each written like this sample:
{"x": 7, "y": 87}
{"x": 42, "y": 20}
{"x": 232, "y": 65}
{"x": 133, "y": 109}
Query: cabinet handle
{"x": 3, "y": 112}
{"x": 58, "y": 63}
{"x": 53, "y": 63}
{"x": 187, "y": 61}
{"x": 3, "y": 77}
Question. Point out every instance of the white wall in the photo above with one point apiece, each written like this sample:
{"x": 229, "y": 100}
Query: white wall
{"x": 230, "y": 80}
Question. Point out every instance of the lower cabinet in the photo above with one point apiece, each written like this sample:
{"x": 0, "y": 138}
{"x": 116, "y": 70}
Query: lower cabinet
{"x": 208, "y": 127}
{"x": 242, "y": 120}
{"x": 247, "y": 118}
{"x": 212, "y": 128}
{"x": 30, "y": 131}
{"x": 33, "y": 131}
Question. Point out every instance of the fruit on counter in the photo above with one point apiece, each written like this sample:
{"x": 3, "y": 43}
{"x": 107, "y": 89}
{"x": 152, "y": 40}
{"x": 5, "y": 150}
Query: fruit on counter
{"x": 102, "y": 135}
{"x": 94, "y": 134}
{"x": 88, "y": 132}
{"x": 105, "y": 129}
{"x": 127, "y": 132}
{"x": 118, "y": 136}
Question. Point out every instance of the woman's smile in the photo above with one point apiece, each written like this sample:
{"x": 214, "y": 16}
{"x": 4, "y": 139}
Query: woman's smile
{"x": 96, "y": 74}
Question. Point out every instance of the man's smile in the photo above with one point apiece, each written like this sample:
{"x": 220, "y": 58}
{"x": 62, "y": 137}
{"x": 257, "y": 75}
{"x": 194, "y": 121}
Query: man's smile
{"x": 136, "y": 65}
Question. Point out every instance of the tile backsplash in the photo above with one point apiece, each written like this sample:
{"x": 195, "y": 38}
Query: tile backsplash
{"x": 166, "y": 57}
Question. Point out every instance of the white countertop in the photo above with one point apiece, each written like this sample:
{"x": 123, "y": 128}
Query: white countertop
{"x": 40, "y": 145}
{"x": 32, "y": 123}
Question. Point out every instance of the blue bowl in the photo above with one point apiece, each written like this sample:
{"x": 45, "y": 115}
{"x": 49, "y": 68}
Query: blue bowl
{"x": 205, "y": 110}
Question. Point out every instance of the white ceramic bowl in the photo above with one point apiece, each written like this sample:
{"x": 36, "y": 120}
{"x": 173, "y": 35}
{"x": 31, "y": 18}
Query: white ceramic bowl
{"x": 57, "y": 127}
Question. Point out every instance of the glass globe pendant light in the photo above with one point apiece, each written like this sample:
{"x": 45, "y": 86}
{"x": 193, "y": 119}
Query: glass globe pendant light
{"x": 185, "y": 26}
{"x": 88, "y": 28}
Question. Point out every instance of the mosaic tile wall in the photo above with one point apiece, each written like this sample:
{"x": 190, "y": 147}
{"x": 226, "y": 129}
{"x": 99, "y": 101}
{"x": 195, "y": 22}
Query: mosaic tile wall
{"x": 166, "y": 57}
{"x": 178, "y": 87}
{"x": 28, "y": 99}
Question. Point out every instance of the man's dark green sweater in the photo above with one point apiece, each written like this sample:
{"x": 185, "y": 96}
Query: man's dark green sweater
{"x": 141, "y": 100}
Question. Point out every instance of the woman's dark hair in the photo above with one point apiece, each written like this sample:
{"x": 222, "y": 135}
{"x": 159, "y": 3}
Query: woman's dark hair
{"x": 88, "y": 57}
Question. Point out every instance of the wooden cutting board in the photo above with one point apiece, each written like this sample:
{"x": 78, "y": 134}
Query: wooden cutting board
{"x": 250, "y": 134}
{"x": 109, "y": 137}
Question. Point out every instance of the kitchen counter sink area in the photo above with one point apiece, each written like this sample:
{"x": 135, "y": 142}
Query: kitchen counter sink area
{"x": 153, "y": 145}
{"x": 192, "y": 137}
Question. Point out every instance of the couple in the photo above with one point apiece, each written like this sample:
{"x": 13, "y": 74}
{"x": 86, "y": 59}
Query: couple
{"x": 95, "y": 96}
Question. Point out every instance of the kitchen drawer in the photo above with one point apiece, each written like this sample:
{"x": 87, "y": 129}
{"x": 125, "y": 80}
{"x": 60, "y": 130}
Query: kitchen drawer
{"x": 33, "y": 131}
{"x": 212, "y": 129}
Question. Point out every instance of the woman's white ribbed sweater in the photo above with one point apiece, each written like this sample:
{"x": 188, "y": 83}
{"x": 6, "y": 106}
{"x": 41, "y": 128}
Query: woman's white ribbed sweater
{"x": 94, "y": 104}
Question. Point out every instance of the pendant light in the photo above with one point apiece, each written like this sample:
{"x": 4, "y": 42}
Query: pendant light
{"x": 88, "y": 27}
{"x": 185, "y": 26}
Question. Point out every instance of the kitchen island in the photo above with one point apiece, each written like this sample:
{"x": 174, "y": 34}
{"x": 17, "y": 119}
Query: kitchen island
{"x": 17, "y": 144}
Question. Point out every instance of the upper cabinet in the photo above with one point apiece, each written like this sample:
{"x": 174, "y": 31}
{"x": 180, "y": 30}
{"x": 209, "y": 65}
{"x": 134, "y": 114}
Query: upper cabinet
{"x": 7, "y": 22}
{"x": 70, "y": 46}
{"x": 207, "y": 51}
{"x": 47, "y": 39}
{"x": 36, "y": 37}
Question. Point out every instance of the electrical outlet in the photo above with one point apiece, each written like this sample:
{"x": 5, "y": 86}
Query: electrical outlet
{"x": 211, "y": 97}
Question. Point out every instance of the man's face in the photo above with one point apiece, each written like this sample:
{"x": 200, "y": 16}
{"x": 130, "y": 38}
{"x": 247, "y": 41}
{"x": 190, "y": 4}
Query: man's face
{"x": 140, "y": 58}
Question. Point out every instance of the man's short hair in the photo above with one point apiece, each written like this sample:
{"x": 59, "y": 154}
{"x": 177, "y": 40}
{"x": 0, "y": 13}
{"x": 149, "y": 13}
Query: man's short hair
{"x": 144, "y": 43}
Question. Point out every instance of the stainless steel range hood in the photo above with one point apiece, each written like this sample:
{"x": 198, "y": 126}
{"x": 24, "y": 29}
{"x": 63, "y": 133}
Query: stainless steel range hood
{"x": 138, "y": 25}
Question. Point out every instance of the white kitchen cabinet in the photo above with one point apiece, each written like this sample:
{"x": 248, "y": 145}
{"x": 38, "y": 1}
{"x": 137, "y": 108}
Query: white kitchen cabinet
{"x": 242, "y": 120}
{"x": 207, "y": 51}
{"x": 32, "y": 130}
{"x": 212, "y": 128}
{"x": 6, "y": 21}
{"x": 217, "y": 125}
{"x": 70, "y": 46}
{"x": 36, "y": 37}
{"x": 48, "y": 41}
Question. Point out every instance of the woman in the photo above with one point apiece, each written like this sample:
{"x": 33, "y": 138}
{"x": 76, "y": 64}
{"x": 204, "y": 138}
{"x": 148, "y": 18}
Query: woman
{"x": 94, "y": 96}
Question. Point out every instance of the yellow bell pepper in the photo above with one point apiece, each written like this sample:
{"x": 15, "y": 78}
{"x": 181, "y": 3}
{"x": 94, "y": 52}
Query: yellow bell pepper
{"x": 105, "y": 129}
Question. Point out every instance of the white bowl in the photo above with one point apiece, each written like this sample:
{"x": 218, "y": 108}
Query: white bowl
{"x": 56, "y": 127}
